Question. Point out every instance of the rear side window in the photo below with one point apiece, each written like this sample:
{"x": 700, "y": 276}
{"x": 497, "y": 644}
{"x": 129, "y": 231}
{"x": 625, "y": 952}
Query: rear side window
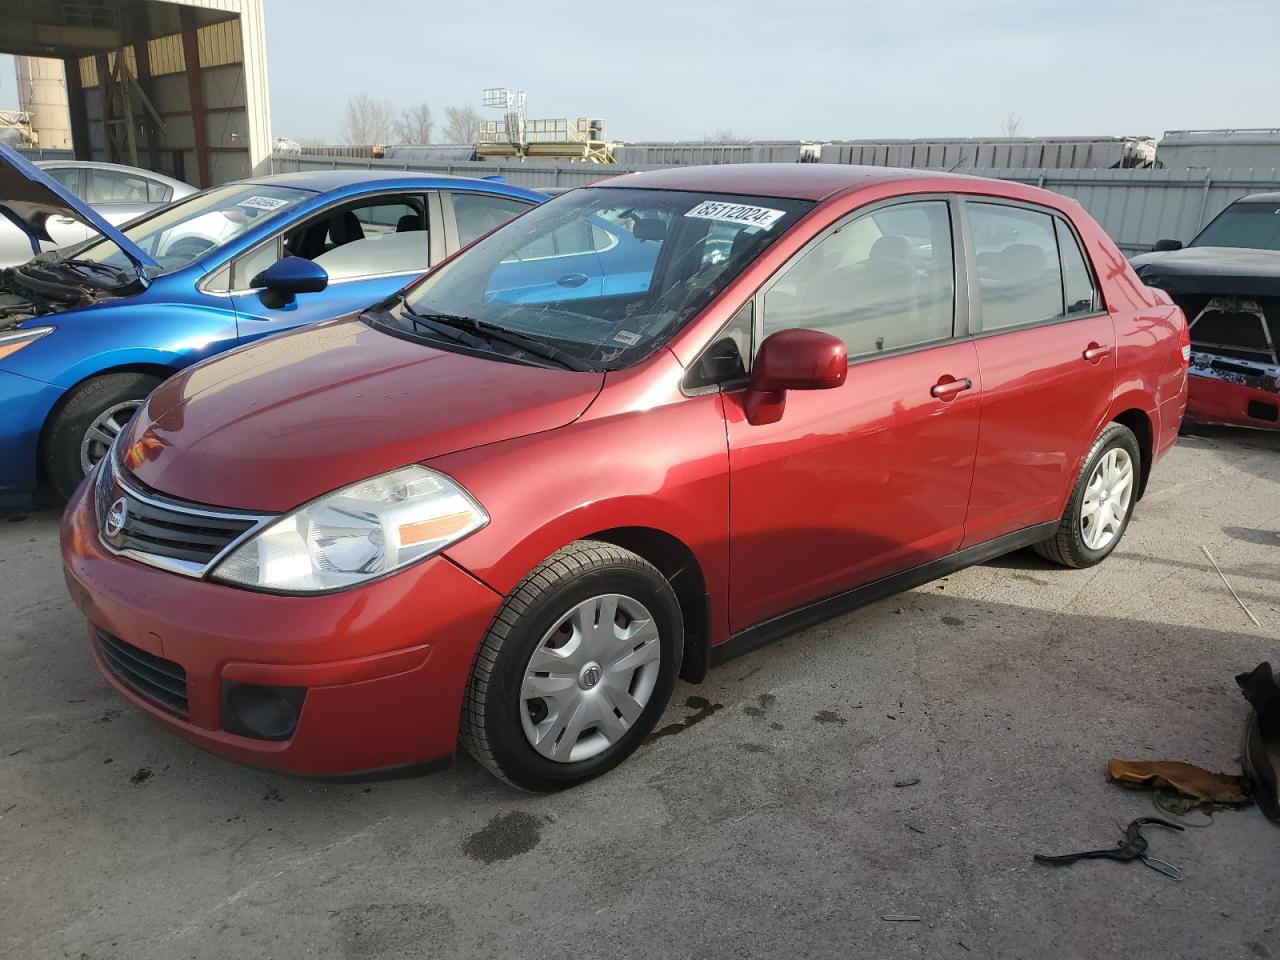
{"x": 113, "y": 186}
{"x": 478, "y": 213}
{"x": 158, "y": 192}
{"x": 1077, "y": 280}
{"x": 882, "y": 281}
{"x": 1016, "y": 251}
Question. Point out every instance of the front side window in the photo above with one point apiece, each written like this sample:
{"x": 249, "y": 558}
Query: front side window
{"x": 603, "y": 274}
{"x": 178, "y": 235}
{"x": 881, "y": 281}
{"x": 370, "y": 238}
{"x": 1016, "y": 252}
{"x": 1255, "y": 225}
{"x": 478, "y": 213}
{"x": 69, "y": 177}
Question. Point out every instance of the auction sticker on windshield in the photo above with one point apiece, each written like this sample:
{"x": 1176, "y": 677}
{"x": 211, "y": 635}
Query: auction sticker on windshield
{"x": 736, "y": 213}
{"x": 262, "y": 203}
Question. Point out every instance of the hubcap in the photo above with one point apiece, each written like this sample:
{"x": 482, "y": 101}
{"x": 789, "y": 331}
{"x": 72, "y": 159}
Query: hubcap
{"x": 1107, "y": 499}
{"x": 103, "y": 430}
{"x": 590, "y": 678}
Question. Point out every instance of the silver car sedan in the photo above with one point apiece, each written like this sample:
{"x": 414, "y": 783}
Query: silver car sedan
{"x": 117, "y": 192}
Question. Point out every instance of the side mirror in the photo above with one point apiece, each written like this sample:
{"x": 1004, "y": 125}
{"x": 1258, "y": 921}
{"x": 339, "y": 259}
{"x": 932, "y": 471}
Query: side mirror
{"x": 1164, "y": 246}
{"x": 792, "y": 360}
{"x": 288, "y": 277}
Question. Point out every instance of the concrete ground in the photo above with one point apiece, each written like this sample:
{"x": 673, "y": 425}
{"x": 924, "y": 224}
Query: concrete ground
{"x": 903, "y": 760}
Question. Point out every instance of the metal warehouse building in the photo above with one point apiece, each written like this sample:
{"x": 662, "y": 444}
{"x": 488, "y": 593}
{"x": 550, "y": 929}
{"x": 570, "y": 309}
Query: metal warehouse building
{"x": 178, "y": 87}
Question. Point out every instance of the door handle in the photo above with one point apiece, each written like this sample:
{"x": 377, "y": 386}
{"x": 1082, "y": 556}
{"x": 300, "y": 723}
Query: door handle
{"x": 572, "y": 280}
{"x": 65, "y": 220}
{"x": 947, "y": 389}
{"x": 1095, "y": 352}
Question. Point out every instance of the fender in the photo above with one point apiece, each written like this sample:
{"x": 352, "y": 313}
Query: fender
{"x": 564, "y": 497}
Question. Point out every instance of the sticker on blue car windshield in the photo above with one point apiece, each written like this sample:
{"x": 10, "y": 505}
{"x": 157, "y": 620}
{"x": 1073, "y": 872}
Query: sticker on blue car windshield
{"x": 762, "y": 217}
{"x": 262, "y": 203}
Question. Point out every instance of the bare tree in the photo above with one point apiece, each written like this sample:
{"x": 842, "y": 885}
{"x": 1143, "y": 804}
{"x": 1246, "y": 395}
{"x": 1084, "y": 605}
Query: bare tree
{"x": 461, "y": 124}
{"x": 367, "y": 120}
{"x": 1011, "y": 124}
{"x": 722, "y": 135}
{"x": 414, "y": 125}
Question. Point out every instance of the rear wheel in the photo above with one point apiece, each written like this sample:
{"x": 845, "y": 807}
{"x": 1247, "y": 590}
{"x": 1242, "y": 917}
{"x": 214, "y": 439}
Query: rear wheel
{"x": 88, "y": 421}
{"x": 575, "y": 670}
{"x": 1101, "y": 503}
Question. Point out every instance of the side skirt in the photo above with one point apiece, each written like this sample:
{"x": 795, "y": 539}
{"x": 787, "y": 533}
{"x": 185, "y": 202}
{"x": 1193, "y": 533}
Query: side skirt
{"x": 753, "y": 637}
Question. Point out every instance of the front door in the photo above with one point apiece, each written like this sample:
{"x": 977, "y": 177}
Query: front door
{"x": 1046, "y": 345}
{"x": 871, "y": 478}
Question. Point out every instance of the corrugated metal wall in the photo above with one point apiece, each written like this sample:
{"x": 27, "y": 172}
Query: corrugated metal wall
{"x": 1136, "y": 207}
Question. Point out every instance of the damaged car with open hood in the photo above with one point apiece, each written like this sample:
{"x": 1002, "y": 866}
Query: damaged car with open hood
{"x": 88, "y": 331}
{"x": 1227, "y": 281}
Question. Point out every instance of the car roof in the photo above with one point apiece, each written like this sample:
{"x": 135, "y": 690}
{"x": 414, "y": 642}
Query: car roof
{"x": 322, "y": 181}
{"x": 1259, "y": 198}
{"x": 796, "y": 181}
{"x": 103, "y": 165}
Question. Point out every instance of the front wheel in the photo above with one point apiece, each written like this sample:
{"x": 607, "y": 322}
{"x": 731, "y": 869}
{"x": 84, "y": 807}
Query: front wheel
{"x": 88, "y": 421}
{"x": 1101, "y": 503}
{"x": 575, "y": 670}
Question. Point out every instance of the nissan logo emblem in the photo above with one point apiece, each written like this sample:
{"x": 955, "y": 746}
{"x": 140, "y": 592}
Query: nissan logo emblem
{"x": 117, "y": 516}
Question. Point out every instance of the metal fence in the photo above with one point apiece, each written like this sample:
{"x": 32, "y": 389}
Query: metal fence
{"x": 1136, "y": 207}
{"x": 46, "y": 153}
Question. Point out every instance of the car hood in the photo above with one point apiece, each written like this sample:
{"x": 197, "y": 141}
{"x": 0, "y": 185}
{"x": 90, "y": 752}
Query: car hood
{"x": 29, "y": 197}
{"x": 1212, "y": 270}
{"x": 271, "y": 426}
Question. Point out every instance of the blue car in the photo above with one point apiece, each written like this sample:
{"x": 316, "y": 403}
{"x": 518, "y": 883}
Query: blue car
{"x": 86, "y": 332}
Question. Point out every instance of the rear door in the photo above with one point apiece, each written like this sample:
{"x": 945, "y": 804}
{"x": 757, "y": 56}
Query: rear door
{"x": 1046, "y": 345}
{"x": 370, "y": 247}
{"x": 871, "y": 478}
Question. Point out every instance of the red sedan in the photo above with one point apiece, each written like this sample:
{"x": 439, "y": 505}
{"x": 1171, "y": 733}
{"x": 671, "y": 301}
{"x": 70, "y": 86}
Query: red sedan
{"x": 641, "y": 428}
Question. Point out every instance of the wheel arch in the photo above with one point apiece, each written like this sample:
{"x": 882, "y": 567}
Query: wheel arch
{"x": 1139, "y": 422}
{"x": 679, "y": 565}
{"x": 145, "y": 367}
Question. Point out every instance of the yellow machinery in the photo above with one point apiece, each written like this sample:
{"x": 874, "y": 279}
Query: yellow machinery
{"x": 514, "y": 136}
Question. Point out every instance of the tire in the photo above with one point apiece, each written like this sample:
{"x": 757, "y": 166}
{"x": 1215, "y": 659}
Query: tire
{"x": 1071, "y": 545}
{"x": 116, "y": 394}
{"x": 500, "y": 723}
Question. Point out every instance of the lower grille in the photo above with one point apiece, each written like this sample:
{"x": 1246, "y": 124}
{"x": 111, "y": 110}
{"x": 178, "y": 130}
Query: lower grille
{"x": 161, "y": 681}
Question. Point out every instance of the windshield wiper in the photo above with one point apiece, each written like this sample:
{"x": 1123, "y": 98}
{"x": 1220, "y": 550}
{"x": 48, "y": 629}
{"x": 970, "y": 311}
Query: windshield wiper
{"x": 497, "y": 334}
{"x": 92, "y": 266}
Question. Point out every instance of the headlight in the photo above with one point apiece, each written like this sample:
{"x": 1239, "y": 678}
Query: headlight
{"x": 355, "y": 534}
{"x": 14, "y": 340}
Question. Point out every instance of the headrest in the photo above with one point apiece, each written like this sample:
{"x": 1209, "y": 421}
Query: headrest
{"x": 892, "y": 246}
{"x": 1023, "y": 257}
{"x": 408, "y": 223}
{"x": 345, "y": 227}
{"x": 649, "y": 228}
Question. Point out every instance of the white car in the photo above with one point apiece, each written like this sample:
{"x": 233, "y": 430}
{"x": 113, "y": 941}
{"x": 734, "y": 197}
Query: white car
{"x": 118, "y": 193}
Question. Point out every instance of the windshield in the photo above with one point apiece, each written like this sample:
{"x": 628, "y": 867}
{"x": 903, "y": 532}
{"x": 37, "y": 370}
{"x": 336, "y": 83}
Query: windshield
{"x": 1255, "y": 225}
{"x": 182, "y": 233}
{"x": 605, "y": 275}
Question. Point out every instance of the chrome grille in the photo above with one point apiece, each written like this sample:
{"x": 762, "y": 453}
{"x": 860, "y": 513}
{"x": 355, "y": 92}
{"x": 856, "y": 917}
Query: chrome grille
{"x": 141, "y": 523}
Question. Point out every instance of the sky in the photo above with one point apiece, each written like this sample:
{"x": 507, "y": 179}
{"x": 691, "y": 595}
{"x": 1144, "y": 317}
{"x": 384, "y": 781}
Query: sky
{"x": 795, "y": 69}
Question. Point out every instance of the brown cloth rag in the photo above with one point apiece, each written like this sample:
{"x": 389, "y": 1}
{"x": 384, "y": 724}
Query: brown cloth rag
{"x": 1187, "y": 779}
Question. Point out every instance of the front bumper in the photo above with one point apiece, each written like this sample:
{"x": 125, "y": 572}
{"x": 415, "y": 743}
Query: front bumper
{"x": 385, "y": 666}
{"x": 26, "y": 404}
